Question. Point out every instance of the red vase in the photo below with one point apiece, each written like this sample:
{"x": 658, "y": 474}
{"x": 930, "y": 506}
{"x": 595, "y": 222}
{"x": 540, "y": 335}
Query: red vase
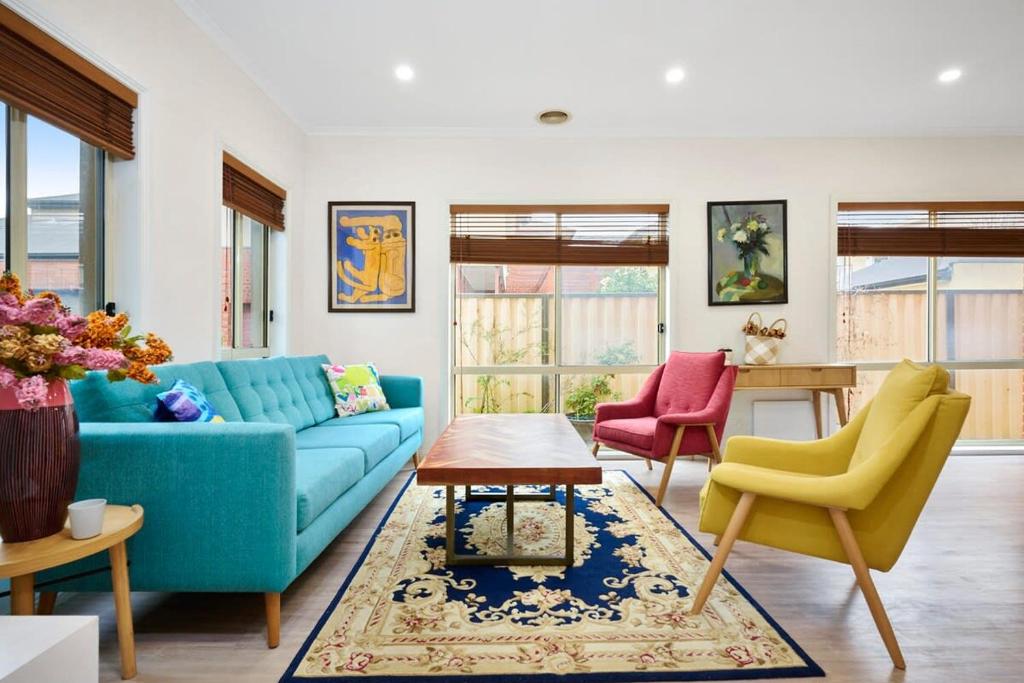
{"x": 39, "y": 457}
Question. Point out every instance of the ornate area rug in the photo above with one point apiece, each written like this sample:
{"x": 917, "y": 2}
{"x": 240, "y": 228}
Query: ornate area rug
{"x": 620, "y": 614}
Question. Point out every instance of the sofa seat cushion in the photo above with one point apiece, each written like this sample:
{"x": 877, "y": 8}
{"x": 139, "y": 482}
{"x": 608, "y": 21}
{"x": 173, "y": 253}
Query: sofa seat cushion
{"x": 637, "y": 432}
{"x": 375, "y": 441}
{"x": 408, "y": 420}
{"x": 266, "y": 390}
{"x": 321, "y": 476}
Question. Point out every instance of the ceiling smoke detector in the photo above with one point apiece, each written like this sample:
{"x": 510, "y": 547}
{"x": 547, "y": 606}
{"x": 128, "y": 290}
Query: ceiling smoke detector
{"x": 553, "y": 117}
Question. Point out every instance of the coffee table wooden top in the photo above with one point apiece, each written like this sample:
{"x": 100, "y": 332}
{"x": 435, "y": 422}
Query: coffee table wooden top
{"x": 509, "y": 449}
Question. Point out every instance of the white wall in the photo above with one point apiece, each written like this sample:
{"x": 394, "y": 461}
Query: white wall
{"x": 165, "y": 215}
{"x": 811, "y": 174}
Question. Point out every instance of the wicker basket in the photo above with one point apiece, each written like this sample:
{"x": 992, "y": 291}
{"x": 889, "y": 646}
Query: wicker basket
{"x": 762, "y": 345}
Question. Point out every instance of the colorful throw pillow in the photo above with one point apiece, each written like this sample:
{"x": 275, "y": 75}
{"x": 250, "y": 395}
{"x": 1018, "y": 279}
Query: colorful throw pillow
{"x": 356, "y": 389}
{"x": 184, "y": 403}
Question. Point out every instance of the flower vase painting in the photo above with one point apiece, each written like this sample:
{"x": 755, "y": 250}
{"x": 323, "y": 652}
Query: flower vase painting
{"x": 747, "y": 253}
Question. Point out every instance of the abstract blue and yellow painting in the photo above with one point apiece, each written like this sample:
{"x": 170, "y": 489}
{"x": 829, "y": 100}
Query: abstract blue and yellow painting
{"x": 371, "y": 260}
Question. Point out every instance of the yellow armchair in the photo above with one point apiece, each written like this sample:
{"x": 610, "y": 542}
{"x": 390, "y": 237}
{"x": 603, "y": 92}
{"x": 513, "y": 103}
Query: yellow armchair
{"x": 853, "y": 497}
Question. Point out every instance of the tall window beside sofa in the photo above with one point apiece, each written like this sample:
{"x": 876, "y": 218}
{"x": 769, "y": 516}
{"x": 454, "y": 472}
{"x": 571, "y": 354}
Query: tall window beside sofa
{"x": 938, "y": 282}
{"x": 253, "y": 208}
{"x": 62, "y": 122}
{"x": 556, "y": 308}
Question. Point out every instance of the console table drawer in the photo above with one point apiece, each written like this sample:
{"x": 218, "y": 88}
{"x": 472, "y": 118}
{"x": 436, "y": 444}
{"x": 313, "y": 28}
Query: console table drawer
{"x": 818, "y": 377}
{"x": 757, "y": 377}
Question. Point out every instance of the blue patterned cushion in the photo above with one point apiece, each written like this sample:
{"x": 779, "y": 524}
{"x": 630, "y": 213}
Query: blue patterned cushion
{"x": 184, "y": 403}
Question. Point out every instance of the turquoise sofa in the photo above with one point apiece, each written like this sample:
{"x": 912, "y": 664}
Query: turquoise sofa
{"x": 248, "y": 504}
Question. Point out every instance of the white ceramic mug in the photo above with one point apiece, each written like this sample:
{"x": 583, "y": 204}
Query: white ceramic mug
{"x": 87, "y": 517}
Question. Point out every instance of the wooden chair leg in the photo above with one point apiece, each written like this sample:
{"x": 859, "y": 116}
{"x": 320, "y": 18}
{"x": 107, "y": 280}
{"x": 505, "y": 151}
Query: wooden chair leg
{"x": 650, "y": 465}
{"x": 596, "y": 448}
{"x": 670, "y": 460}
{"x": 665, "y": 477}
{"x": 732, "y": 531}
{"x": 47, "y": 600}
{"x": 716, "y": 452}
{"x": 867, "y": 586}
{"x": 273, "y": 605}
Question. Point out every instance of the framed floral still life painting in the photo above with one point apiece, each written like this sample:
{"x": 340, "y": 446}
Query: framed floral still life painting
{"x": 747, "y": 253}
{"x": 371, "y": 257}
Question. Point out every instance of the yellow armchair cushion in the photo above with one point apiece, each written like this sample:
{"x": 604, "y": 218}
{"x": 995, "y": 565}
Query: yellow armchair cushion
{"x": 906, "y": 386}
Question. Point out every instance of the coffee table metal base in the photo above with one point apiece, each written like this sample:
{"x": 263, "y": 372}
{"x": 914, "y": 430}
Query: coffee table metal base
{"x": 510, "y": 557}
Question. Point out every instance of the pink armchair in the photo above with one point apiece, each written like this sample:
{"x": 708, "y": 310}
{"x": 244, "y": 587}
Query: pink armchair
{"x": 690, "y": 390}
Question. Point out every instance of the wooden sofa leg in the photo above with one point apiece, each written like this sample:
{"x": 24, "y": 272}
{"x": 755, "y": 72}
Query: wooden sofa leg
{"x": 732, "y": 531}
{"x": 46, "y": 602}
{"x": 867, "y": 586}
{"x": 416, "y": 460}
{"x": 273, "y": 604}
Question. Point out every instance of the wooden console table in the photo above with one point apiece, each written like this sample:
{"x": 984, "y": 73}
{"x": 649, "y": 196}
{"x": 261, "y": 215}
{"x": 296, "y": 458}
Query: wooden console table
{"x": 817, "y": 378}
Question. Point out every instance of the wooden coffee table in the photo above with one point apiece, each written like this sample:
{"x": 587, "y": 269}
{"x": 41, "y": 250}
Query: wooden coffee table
{"x": 509, "y": 450}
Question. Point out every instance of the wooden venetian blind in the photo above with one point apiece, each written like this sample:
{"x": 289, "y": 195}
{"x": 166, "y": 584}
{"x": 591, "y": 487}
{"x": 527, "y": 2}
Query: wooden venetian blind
{"x": 609, "y": 234}
{"x": 979, "y": 229}
{"x": 43, "y": 77}
{"x": 247, "y": 191}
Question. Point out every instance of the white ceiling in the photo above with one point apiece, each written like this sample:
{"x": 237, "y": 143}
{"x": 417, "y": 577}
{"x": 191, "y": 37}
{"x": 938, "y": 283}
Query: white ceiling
{"x": 753, "y": 67}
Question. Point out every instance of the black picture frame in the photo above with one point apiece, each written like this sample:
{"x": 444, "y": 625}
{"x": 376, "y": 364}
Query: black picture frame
{"x": 372, "y": 300}
{"x": 776, "y": 284}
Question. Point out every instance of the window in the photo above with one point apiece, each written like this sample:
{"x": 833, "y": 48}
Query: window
{"x": 253, "y": 207}
{"x": 938, "y": 283}
{"x": 52, "y": 222}
{"x": 60, "y": 118}
{"x": 550, "y": 328}
{"x": 244, "y": 311}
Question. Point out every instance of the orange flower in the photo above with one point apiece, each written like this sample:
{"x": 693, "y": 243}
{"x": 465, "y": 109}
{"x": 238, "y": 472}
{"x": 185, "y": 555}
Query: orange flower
{"x": 10, "y": 284}
{"x": 52, "y": 296}
{"x": 102, "y": 331}
{"x": 140, "y": 372}
{"x": 155, "y": 352}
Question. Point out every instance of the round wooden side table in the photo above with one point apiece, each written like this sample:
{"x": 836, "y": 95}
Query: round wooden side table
{"x": 20, "y": 562}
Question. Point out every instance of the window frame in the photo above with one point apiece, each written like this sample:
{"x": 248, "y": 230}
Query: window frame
{"x": 965, "y": 446}
{"x": 92, "y": 204}
{"x": 235, "y": 352}
{"x": 556, "y": 369}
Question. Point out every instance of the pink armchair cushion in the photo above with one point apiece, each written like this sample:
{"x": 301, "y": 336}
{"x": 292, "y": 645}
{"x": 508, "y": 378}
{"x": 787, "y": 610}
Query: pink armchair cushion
{"x": 688, "y": 381}
{"x": 637, "y": 432}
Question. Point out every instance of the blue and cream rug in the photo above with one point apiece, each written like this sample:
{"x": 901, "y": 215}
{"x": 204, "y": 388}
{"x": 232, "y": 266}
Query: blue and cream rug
{"x": 620, "y": 614}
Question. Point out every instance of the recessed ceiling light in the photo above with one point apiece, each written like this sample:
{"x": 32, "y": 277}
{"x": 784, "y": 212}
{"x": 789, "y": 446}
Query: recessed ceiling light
{"x": 675, "y": 75}
{"x": 404, "y": 72}
{"x": 553, "y": 116}
{"x": 950, "y": 75}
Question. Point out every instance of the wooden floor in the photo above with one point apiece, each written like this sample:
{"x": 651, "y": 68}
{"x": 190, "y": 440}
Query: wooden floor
{"x": 956, "y": 598}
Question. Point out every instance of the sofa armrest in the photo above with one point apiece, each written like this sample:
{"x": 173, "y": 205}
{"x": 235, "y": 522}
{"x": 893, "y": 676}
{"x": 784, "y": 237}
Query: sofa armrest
{"x": 219, "y": 500}
{"x": 403, "y": 391}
